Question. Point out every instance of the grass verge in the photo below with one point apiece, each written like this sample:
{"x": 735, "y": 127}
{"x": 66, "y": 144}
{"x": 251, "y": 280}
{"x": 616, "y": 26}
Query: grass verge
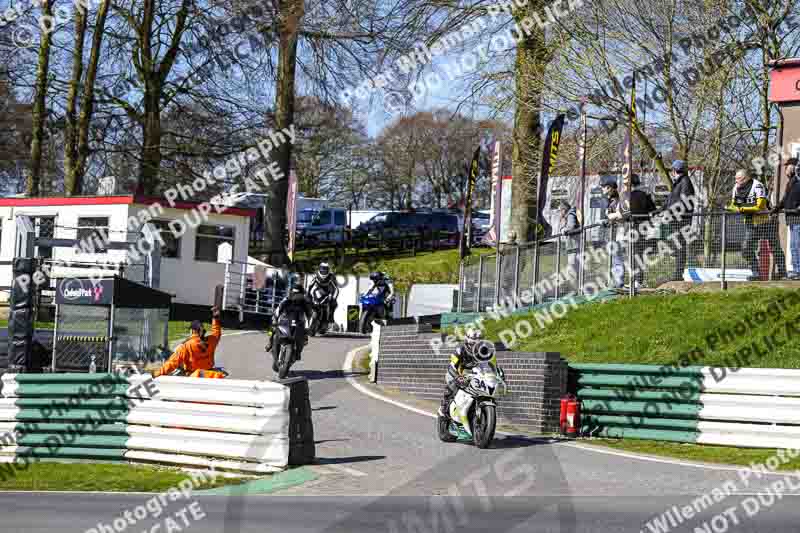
{"x": 102, "y": 477}
{"x": 656, "y": 329}
{"x": 426, "y": 267}
{"x": 697, "y": 452}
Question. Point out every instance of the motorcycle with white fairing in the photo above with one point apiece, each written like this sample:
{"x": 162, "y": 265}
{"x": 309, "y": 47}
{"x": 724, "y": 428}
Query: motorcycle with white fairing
{"x": 472, "y": 412}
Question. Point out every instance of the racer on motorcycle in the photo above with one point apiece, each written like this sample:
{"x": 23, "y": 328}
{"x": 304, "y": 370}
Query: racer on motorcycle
{"x": 464, "y": 358}
{"x": 381, "y": 285}
{"x": 326, "y": 282}
{"x": 294, "y": 307}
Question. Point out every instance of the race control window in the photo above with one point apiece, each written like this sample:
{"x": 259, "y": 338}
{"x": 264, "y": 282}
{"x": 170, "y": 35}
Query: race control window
{"x": 172, "y": 244}
{"x": 210, "y": 239}
{"x": 93, "y": 232}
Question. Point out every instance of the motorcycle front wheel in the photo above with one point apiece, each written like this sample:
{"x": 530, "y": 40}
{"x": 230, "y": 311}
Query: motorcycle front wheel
{"x": 483, "y": 427}
{"x": 443, "y": 427}
{"x": 314, "y": 324}
{"x": 366, "y": 322}
{"x": 285, "y": 361}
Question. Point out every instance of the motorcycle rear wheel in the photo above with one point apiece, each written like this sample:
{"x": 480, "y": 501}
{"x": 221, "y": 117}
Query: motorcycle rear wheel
{"x": 483, "y": 430}
{"x": 443, "y": 428}
{"x": 285, "y": 361}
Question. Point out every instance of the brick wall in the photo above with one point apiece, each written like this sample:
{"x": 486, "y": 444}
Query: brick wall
{"x": 408, "y": 362}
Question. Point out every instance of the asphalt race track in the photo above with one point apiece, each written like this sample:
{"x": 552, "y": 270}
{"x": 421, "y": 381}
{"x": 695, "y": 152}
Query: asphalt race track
{"x": 382, "y": 468}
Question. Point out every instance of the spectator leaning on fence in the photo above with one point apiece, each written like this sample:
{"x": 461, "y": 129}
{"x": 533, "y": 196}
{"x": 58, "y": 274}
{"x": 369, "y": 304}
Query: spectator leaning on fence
{"x": 791, "y": 203}
{"x": 640, "y": 206}
{"x": 614, "y": 214}
{"x": 569, "y": 224}
{"x": 682, "y": 192}
{"x": 749, "y": 197}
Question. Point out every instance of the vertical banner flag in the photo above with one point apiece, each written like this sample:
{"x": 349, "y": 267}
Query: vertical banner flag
{"x": 549, "y": 157}
{"x": 497, "y": 186}
{"x": 473, "y": 177}
{"x": 627, "y": 153}
{"x": 291, "y": 212}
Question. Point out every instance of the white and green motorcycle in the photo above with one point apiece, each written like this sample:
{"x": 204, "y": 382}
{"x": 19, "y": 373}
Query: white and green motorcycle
{"x": 473, "y": 408}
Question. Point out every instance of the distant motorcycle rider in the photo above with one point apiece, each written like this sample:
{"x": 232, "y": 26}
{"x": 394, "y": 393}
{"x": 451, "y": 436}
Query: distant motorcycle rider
{"x": 326, "y": 282}
{"x": 294, "y": 307}
{"x": 381, "y": 285}
{"x": 464, "y": 358}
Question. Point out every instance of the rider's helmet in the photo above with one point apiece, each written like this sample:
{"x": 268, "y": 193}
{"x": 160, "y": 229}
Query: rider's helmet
{"x": 473, "y": 337}
{"x": 375, "y": 277}
{"x": 324, "y": 271}
{"x": 297, "y": 293}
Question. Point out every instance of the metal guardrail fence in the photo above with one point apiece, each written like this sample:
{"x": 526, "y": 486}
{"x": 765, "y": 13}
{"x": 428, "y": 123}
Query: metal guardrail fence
{"x": 710, "y": 246}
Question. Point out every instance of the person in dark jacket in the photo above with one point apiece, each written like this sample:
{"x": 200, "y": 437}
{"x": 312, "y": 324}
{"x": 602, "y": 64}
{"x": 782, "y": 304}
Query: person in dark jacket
{"x": 682, "y": 193}
{"x": 640, "y": 207}
{"x": 791, "y": 202}
{"x": 570, "y": 225}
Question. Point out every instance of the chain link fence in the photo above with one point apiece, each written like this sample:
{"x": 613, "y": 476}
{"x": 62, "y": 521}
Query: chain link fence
{"x": 636, "y": 254}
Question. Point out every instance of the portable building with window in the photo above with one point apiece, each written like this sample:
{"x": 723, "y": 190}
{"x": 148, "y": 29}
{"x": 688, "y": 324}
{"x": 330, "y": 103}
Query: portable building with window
{"x": 195, "y": 243}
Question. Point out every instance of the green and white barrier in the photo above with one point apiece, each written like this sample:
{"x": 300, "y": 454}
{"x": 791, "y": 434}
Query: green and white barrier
{"x": 747, "y": 407}
{"x": 225, "y": 424}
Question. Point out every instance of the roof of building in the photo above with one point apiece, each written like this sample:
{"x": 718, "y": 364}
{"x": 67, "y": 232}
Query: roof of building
{"x": 127, "y": 199}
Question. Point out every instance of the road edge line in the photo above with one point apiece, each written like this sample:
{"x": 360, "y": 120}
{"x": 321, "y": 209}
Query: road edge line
{"x": 348, "y": 367}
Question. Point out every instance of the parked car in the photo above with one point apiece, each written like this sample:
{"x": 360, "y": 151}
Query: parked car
{"x": 480, "y": 225}
{"x": 387, "y": 226}
{"x": 305, "y": 217}
{"x": 328, "y": 225}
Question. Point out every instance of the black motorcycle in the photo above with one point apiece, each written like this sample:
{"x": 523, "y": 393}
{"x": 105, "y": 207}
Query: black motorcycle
{"x": 320, "y": 315}
{"x": 289, "y": 345}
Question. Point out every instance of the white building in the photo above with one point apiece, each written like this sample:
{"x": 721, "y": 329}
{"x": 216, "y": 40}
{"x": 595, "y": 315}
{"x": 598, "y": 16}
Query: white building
{"x": 191, "y": 265}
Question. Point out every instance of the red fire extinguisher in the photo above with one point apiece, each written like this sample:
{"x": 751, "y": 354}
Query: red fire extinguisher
{"x": 570, "y": 415}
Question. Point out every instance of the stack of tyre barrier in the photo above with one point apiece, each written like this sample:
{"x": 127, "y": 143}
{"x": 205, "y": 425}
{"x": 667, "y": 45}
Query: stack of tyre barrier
{"x": 752, "y": 407}
{"x": 233, "y": 425}
{"x": 301, "y": 428}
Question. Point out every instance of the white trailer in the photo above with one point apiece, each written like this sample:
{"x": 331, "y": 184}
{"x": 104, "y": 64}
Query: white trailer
{"x": 192, "y": 263}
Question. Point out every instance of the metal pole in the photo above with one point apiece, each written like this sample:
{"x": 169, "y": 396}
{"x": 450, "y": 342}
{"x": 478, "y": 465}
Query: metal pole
{"x": 612, "y": 237}
{"x": 498, "y": 271}
{"x": 110, "y": 338}
{"x": 55, "y": 339}
{"x": 632, "y": 267}
{"x": 516, "y": 275}
{"x": 462, "y": 285}
{"x": 535, "y": 271}
{"x": 558, "y": 267}
{"x": 275, "y": 289}
{"x": 723, "y": 283}
{"x": 225, "y": 285}
{"x": 480, "y": 283}
{"x": 582, "y": 252}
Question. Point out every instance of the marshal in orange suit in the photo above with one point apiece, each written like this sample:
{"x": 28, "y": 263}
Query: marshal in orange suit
{"x": 196, "y": 355}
